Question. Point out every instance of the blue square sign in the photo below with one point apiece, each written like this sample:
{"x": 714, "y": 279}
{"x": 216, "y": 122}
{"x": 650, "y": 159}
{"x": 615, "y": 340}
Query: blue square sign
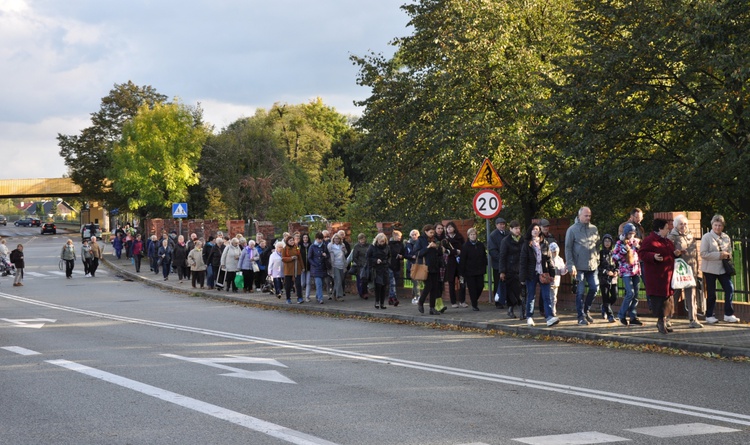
{"x": 179, "y": 210}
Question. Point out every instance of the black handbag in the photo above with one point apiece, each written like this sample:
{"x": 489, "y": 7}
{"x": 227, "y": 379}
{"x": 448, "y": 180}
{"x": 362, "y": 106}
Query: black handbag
{"x": 729, "y": 267}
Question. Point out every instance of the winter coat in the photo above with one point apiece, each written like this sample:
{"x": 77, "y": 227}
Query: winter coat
{"x": 153, "y": 249}
{"x": 527, "y": 268}
{"x": 494, "y": 243}
{"x": 195, "y": 260}
{"x": 397, "y": 264}
{"x": 214, "y": 258}
{"x": 248, "y": 256}
{"x": 96, "y": 251}
{"x": 137, "y": 248}
{"x": 606, "y": 262}
{"x": 179, "y": 255}
{"x": 620, "y": 255}
{"x": 689, "y": 244}
{"x": 230, "y": 258}
{"x": 510, "y": 256}
{"x": 451, "y": 246}
{"x": 359, "y": 254}
{"x": 711, "y": 247}
{"x": 316, "y": 260}
{"x": 338, "y": 255}
{"x": 292, "y": 258}
{"x": 275, "y": 265}
{"x": 657, "y": 274}
{"x": 473, "y": 259}
{"x": 432, "y": 257}
{"x": 379, "y": 272}
{"x": 86, "y": 252}
{"x": 16, "y": 257}
{"x": 581, "y": 242}
{"x": 165, "y": 253}
{"x": 68, "y": 252}
{"x": 410, "y": 253}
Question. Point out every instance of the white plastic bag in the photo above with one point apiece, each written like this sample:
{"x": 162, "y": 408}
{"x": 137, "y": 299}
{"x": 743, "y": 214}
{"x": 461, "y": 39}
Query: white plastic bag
{"x": 682, "y": 277}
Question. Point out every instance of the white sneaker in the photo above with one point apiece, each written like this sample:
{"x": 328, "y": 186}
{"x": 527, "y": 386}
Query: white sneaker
{"x": 552, "y": 321}
{"x": 530, "y": 321}
{"x": 454, "y": 305}
{"x": 712, "y": 320}
{"x": 731, "y": 319}
{"x": 415, "y": 300}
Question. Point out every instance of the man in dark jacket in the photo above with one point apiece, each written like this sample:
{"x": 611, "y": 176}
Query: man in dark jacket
{"x": 509, "y": 268}
{"x": 494, "y": 242}
{"x": 215, "y": 258}
{"x": 316, "y": 258}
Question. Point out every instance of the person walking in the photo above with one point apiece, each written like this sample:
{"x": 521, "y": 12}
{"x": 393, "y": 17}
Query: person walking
{"x": 657, "y": 254}
{"x": 429, "y": 249}
{"x": 508, "y": 263}
{"x": 316, "y": 258}
{"x": 494, "y": 241}
{"x": 16, "y": 257}
{"x": 68, "y": 254}
{"x": 378, "y": 259}
{"x": 687, "y": 246}
{"x": 359, "y": 262}
{"x": 338, "y": 254}
{"x": 247, "y": 262}
{"x": 86, "y": 256}
{"x": 137, "y": 252}
{"x": 716, "y": 246}
{"x": 196, "y": 264}
{"x": 293, "y": 268}
{"x": 230, "y": 260}
{"x": 96, "y": 256}
{"x": 581, "y": 241}
{"x": 536, "y": 268}
{"x": 179, "y": 258}
{"x": 410, "y": 253}
{"x": 165, "y": 257}
{"x": 472, "y": 262}
{"x": 626, "y": 256}
{"x": 452, "y": 244}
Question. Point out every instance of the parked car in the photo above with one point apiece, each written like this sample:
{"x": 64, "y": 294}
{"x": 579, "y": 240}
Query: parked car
{"x": 89, "y": 230}
{"x": 307, "y": 219}
{"x": 49, "y": 228}
{"x": 3, "y": 220}
{"x": 28, "y": 222}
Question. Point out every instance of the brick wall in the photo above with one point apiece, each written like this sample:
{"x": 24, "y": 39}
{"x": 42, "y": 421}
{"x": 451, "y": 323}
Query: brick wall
{"x": 235, "y": 227}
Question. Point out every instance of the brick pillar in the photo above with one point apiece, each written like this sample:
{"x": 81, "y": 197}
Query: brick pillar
{"x": 235, "y": 227}
{"x": 463, "y": 225}
{"x": 266, "y": 228}
{"x": 334, "y": 227}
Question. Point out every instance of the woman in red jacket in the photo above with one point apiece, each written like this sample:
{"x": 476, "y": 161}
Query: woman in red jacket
{"x": 658, "y": 254}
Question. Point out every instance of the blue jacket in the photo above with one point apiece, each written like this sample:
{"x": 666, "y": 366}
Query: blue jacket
{"x": 316, "y": 261}
{"x": 247, "y": 258}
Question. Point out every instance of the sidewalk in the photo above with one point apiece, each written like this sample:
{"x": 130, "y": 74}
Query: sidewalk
{"x": 724, "y": 339}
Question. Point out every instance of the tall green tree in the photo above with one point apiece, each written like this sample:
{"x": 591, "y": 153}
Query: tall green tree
{"x": 87, "y": 155}
{"x": 656, "y": 106}
{"x": 466, "y": 85}
{"x": 157, "y": 158}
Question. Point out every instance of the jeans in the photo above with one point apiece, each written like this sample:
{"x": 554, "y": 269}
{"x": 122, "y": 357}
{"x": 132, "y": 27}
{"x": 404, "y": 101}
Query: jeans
{"x": 361, "y": 286}
{"x": 318, "y": 288}
{"x": 392, "y": 282}
{"x": 210, "y": 276}
{"x": 306, "y": 283}
{"x": 531, "y": 294}
{"x": 584, "y": 277}
{"x": 630, "y": 302}
{"x": 709, "y": 280}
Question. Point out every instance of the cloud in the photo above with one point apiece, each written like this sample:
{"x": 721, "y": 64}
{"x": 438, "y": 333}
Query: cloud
{"x": 233, "y": 57}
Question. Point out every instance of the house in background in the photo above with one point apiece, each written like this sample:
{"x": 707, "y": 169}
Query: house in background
{"x": 52, "y": 208}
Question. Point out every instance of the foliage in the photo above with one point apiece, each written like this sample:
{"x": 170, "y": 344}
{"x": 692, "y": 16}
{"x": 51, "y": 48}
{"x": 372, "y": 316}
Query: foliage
{"x": 87, "y": 155}
{"x": 465, "y": 86}
{"x": 656, "y": 107}
{"x": 216, "y": 209}
{"x": 287, "y": 205}
{"x": 157, "y": 158}
{"x": 331, "y": 193}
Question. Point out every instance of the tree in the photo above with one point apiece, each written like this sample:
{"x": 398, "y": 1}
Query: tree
{"x": 157, "y": 157}
{"x": 466, "y": 85}
{"x": 656, "y": 106}
{"x": 87, "y": 155}
{"x": 331, "y": 193}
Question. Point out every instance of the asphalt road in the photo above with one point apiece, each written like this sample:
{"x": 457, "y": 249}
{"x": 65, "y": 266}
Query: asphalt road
{"x": 108, "y": 361}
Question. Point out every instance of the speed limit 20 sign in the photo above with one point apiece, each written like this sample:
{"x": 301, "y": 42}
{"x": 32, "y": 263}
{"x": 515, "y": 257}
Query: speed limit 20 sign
{"x": 487, "y": 204}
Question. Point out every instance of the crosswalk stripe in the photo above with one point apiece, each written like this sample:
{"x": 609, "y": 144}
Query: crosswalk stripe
{"x": 34, "y": 274}
{"x": 585, "y": 438}
{"x": 57, "y": 272}
{"x": 685, "y": 429}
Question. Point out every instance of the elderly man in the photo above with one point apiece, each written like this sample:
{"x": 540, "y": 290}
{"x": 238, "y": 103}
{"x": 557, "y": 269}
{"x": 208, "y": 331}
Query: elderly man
{"x": 581, "y": 242}
{"x": 96, "y": 255}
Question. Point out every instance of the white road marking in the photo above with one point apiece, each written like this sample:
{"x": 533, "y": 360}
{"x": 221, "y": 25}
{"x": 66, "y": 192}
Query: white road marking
{"x": 269, "y": 376}
{"x": 22, "y": 322}
{"x": 20, "y": 350}
{"x": 661, "y": 405}
{"x": 249, "y": 422}
{"x": 35, "y": 274}
{"x": 590, "y": 437}
{"x": 685, "y": 429}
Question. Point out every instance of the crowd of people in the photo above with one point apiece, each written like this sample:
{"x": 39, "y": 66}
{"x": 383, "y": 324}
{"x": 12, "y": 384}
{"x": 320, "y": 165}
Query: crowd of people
{"x": 521, "y": 263}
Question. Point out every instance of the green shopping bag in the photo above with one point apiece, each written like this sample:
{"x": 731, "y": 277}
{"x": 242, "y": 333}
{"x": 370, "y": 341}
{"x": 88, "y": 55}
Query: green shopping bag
{"x": 239, "y": 281}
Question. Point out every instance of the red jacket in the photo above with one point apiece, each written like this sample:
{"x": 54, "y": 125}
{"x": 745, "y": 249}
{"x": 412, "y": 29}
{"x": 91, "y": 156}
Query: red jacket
{"x": 657, "y": 274}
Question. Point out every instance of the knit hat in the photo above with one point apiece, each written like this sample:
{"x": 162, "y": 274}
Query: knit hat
{"x": 553, "y": 247}
{"x": 628, "y": 228}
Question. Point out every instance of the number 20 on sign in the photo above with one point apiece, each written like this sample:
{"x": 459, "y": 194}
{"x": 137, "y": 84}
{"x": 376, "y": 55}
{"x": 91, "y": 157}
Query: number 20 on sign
{"x": 487, "y": 204}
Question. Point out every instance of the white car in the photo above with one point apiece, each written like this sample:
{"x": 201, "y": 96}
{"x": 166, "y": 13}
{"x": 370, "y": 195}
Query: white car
{"x": 307, "y": 219}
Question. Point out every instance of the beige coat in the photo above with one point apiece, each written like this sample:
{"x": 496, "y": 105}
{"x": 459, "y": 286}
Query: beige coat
{"x": 195, "y": 260}
{"x": 691, "y": 245}
{"x": 711, "y": 247}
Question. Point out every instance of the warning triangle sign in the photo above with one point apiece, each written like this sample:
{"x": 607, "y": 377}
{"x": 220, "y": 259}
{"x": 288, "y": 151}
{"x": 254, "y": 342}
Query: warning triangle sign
{"x": 487, "y": 177}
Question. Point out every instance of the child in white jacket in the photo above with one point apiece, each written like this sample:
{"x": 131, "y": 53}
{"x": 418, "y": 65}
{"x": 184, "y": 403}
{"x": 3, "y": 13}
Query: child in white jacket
{"x": 560, "y": 270}
{"x": 276, "y": 268}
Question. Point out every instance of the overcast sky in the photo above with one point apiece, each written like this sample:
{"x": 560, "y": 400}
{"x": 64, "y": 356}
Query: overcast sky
{"x": 59, "y": 58}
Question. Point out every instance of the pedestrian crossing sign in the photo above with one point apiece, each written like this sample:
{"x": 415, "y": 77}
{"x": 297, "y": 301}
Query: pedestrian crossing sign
{"x": 487, "y": 177}
{"x": 179, "y": 210}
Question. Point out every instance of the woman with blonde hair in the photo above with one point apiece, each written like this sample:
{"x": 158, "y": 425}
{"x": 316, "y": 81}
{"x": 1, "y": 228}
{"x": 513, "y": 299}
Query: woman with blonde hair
{"x": 68, "y": 255}
{"x": 379, "y": 259}
{"x": 715, "y": 248}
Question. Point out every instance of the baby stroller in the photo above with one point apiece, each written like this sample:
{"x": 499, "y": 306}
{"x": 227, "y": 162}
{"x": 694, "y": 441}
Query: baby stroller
{"x": 268, "y": 285}
{"x": 6, "y": 268}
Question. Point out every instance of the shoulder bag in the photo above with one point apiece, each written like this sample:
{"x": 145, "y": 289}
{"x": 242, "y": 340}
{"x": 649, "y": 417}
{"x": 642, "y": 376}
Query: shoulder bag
{"x": 419, "y": 270}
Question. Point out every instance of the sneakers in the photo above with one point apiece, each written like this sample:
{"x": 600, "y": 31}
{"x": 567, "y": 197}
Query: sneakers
{"x": 454, "y": 305}
{"x": 624, "y": 322}
{"x": 463, "y": 305}
{"x": 552, "y": 321}
{"x": 610, "y": 319}
{"x": 731, "y": 319}
{"x": 695, "y": 324}
{"x": 530, "y": 322}
{"x": 636, "y": 321}
{"x": 588, "y": 317}
{"x": 582, "y": 322}
{"x": 415, "y": 300}
{"x": 660, "y": 327}
{"x": 712, "y": 320}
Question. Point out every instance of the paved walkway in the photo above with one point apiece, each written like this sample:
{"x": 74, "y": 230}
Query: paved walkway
{"x": 722, "y": 339}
